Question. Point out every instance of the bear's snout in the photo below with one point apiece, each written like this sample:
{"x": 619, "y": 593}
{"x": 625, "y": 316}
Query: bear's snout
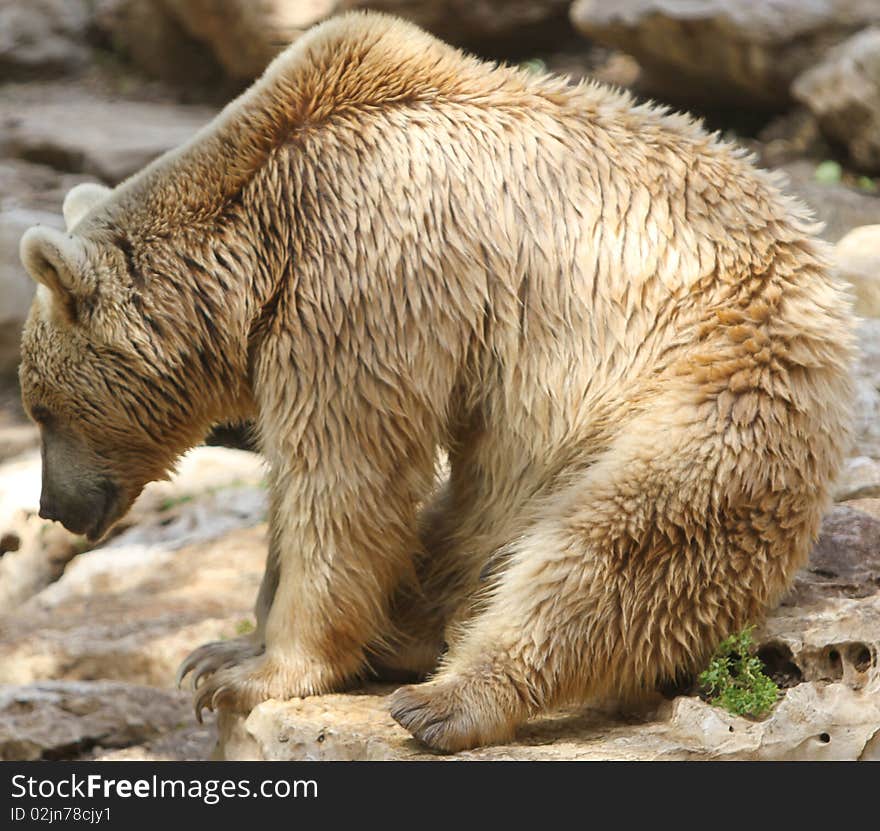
{"x": 88, "y": 511}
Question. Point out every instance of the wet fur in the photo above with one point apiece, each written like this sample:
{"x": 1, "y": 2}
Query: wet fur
{"x": 623, "y": 335}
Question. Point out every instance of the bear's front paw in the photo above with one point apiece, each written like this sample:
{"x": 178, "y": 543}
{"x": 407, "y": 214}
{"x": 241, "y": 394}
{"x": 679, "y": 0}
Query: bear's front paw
{"x": 451, "y": 715}
{"x": 211, "y": 657}
{"x": 240, "y": 686}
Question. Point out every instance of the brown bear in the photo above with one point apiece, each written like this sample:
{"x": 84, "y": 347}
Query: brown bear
{"x": 621, "y": 334}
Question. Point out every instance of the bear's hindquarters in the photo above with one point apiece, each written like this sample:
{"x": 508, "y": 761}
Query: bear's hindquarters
{"x": 683, "y": 532}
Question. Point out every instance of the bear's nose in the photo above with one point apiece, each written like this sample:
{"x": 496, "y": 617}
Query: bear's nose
{"x": 48, "y": 509}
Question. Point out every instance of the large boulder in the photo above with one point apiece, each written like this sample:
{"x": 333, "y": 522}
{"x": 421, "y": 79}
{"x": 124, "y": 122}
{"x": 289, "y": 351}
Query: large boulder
{"x": 67, "y": 127}
{"x": 843, "y": 92}
{"x": 42, "y": 37}
{"x": 61, "y": 720}
{"x": 242, "y": 36}
{"x": 717, "y": 51}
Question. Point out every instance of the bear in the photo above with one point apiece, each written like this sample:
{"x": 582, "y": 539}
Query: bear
{"x": 621, "y": 335}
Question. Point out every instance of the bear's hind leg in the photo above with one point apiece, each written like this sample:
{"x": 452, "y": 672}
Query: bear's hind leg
{"x": 632, "y": 573}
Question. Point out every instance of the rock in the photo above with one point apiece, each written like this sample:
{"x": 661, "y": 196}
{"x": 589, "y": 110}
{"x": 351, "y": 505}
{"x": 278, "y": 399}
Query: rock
{"x": 811, "y": 722}
{"x": 61, "y": 720}
{"x": 29, "y": 194}
{"x": 145, "y": 34}
{"x": 868, "y": 505}
{"x": 72, "y": 129}
{"x": 723, "y": 51}
{"x": 843, "y": 92}
{"x": 16, "y": 287}
{"x": 840, "y": 207}
{"x": 508, "y": 29}
{"x": 42, "y": 37}
{"x": 860, "y": 479}
{"x": 822, "y": 645}
{"x": 192, "y": 743}
{"x": 867, "y": 380}
{"x": 186, "y": 571}
{"x": 857, "y": 257}
{"x": 845, "y": 562}
{"x": 243, "y": 37}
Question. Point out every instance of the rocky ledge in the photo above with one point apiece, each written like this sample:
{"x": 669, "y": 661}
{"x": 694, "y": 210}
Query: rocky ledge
{"x": 821, "y": 645}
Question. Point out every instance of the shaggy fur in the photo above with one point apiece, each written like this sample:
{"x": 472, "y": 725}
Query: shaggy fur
{"x": 622, "y": 335}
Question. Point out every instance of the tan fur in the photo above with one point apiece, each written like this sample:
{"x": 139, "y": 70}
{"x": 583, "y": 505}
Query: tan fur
{"x": 623, "y": 335}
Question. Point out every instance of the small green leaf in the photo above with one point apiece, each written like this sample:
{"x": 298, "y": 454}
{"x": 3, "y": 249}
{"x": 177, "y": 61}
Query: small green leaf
{"x": 867, "y": 183}
{"x": 535, "y": 65}
{"x": 828, "y": 172}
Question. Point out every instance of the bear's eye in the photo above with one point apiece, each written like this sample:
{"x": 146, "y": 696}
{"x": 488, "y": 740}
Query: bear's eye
{"x": 41, "y": 415}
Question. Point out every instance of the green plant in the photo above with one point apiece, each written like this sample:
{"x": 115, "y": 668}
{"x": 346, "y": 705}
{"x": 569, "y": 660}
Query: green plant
{"x": 828, "y": 172}
{"x": 535, "y": 65}
{"x": 244, "y": 627}
{"x": 174, "y": 501}
{"x": 735, "y": 678}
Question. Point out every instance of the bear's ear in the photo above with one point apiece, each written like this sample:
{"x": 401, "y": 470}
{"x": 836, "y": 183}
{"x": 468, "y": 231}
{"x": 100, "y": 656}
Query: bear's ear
{"x": 51, "y": 258}
{"x": 80, "y": 200}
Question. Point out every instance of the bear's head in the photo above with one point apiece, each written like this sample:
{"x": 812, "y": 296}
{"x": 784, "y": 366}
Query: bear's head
{"x": 93, "y": 375}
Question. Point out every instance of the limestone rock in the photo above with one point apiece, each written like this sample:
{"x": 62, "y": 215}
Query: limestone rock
{"x": 867, "y": 381}
{"x": 844, "y": 563}
{"x": 711, "y": 51}
{"x": 860, "y": 479}
{"x": 72, "y": 129}
{"x": 60, "y": 720}
{"x": 822, "y": 645}
{"x": 843, "y": 91}
{"x": 811, "y": 722}
{"x": 857, "y": 257}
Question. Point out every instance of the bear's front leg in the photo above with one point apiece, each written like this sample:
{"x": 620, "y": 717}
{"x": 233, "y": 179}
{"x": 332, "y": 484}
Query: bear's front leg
{"x": 338, "y": 552}
{"x": 210, "y": 658}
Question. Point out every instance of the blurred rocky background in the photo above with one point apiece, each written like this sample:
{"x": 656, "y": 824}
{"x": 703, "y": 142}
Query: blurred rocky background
{"x": 91, "y": 90}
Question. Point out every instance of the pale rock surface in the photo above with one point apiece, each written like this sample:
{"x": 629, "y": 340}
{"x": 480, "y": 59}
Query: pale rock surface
{"x": 717, "y": 51}
{"x": 867, "y": 389}
{"x": 859, "y": 479}
{"x": 186, "y": 570}
{"x": 857, "y": 258}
